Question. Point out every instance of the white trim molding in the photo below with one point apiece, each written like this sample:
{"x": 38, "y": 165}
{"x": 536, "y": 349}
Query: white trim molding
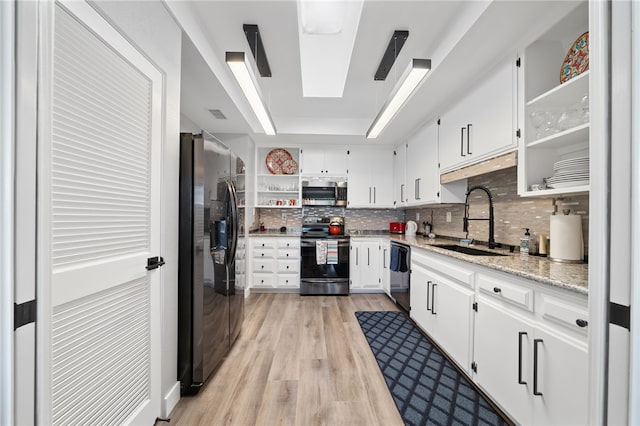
{"x": 7, "y": 97}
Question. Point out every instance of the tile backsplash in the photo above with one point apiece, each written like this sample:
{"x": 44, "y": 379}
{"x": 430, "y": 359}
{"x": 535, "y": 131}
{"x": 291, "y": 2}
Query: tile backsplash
{"x": 512, "y": 213}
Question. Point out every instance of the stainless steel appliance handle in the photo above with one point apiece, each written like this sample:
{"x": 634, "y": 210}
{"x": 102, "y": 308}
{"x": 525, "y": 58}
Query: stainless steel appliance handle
{"x": 234, "y": 221}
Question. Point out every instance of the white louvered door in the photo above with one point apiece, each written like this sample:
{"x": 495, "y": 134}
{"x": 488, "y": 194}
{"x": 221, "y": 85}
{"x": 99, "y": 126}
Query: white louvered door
{"x": 99, "y": 208}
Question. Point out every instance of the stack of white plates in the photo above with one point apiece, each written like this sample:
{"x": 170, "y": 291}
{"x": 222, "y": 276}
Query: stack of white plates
{"x": 569, "y": 173}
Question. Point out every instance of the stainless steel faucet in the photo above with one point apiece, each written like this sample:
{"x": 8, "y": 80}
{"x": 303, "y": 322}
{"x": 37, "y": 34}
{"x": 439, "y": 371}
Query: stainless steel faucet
{"x": 465, "y": 221}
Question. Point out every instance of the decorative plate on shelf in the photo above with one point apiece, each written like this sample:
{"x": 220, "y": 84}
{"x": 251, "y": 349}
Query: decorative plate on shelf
{"x": 577, "y": 60}
{"x": 289, "y": 167}
{"x": 275, "y": 159}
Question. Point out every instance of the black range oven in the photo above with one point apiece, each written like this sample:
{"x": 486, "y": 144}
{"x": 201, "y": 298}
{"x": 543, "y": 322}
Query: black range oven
{"x": 324, "y": 260}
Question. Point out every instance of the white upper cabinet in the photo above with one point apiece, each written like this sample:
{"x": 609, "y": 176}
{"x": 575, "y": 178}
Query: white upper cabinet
{"x": 370, "y": 177}
{"x": 554, "y": 150}
{"x": 400, "y": 196}
{"x": 423, "y": 175}
{"x": 324, "y": 162}
{"x": 482, "y": 124}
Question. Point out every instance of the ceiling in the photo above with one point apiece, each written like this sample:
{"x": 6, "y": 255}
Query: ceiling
{"x": 459, "y": 37}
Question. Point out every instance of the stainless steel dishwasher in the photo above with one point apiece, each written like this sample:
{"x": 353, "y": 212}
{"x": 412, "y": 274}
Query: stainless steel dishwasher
{"x": 400, "y": 270}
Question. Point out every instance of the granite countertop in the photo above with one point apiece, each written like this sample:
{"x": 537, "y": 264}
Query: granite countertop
{"x": 275, "y": 233}
{"x": 570, "y": 276}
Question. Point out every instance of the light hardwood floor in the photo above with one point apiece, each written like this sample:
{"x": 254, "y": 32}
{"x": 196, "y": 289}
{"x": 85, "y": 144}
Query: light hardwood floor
{"x": 298, "y": 361}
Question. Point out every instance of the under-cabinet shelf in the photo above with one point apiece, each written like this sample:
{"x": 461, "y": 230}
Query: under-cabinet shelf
{"x": 556, "y": 191}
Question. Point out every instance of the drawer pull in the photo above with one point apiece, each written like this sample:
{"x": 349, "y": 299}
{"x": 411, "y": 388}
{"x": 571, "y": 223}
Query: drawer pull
{"x": 287, "y": 244}
{"x": 287, "y": 266}
{"x": 535, "y": 367}
{"x": 261, "y": 266}
{"x": 262, "y": 254}
{"x": 287, "y": 254}
{"x": 582, "y": 323}
{"x": 262, "y": 244}
{"x": 520, "y": 334}
{"x": 497, "y": 290}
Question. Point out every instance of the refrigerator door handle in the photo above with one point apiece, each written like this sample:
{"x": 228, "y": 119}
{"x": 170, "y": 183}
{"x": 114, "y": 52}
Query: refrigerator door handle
{"x": 233, "y": 200}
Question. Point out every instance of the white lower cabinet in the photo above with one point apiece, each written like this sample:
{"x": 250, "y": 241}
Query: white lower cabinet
{"x": 275, "y": 262}
{"x": 526, "y": 344}
{"x": 442, "y": 305}
{"x": 367, "y": 268}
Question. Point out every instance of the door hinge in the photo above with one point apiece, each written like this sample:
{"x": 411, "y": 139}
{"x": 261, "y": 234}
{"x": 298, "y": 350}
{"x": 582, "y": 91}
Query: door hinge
{"x": 475, "y": 306}
{"x": 518, "y": 133}
{"x": 474, "y": 367}
{"x": 24, "y": 313}
{"x": 620, "y": 315}
{"x": 154, "y": 263}
{"x": 518, "y": 62}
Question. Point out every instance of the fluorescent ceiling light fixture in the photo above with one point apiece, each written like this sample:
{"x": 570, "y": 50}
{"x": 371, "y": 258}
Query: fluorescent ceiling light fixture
{"x": 403, "y": 90}
{"x": 326, "y": 44}
{"x": 322, "y": 16}
{"x": 240, "y": 66}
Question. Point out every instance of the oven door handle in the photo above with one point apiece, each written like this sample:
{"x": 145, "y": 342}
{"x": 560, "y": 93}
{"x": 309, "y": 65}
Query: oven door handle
{"x": 341, "y": 242}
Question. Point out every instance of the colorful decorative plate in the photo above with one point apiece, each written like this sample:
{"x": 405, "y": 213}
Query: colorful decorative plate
{"x": 577, "y": 60}
{"x": 275, "y": 159}
{"x": 289, "y": 167}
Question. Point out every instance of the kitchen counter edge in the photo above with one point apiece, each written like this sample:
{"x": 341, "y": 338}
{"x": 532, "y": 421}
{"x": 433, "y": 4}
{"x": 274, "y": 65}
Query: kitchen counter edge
{"x": 569, "y": 276}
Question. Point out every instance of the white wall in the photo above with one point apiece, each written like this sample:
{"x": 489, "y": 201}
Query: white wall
{"x": 151, "y": 28}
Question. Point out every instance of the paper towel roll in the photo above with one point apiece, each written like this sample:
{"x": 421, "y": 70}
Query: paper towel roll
{"x": 566, "y": 238}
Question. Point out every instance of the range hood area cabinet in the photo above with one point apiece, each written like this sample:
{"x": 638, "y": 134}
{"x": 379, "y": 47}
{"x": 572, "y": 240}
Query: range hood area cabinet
{"x": 542, "y": 97}
{"x": 330, "y": 162}
{"x": 417, "y": 175}
{"x": 483, "y": 123}
{"x": 370, "y": 177}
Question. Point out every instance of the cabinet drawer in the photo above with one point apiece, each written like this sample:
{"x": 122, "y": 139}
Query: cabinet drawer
{"x": 261, "y": 253}
{"x": 509, "y": 292}
{"x": 461, "y": 274}
{"x": 264, "y": 280}
{"x": 266, "y": 265}
{"x": 288, "y": 243}
{"x": 288, "y": 265}
{"x": 266, "y": 243}
{"x": 289, "y": 280}
{"x": 289, "y": 253}
{"x": 565, "y": 313}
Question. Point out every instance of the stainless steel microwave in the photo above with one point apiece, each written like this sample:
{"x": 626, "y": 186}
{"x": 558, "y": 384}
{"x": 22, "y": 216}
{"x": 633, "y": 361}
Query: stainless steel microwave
{"x": 322, "y": 192}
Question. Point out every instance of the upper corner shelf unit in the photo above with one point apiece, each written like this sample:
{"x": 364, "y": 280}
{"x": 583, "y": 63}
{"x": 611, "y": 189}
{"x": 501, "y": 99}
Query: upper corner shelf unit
{"x": 555, "y": 116}
{"x": 274, "y": 189}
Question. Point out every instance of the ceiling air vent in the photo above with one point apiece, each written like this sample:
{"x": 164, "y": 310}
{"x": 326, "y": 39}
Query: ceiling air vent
{"x": 217, "y": 114}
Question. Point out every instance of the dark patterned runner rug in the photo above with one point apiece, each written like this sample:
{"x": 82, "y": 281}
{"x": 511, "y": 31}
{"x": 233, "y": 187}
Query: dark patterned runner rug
{"x": 425, "y": 386}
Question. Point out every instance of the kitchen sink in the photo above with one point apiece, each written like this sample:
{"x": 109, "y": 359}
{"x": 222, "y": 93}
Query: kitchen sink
{"x": 467, "y": 250}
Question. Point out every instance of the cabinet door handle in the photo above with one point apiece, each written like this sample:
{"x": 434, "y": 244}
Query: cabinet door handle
{"x": 582, "y": 323}
{"x": 369, "y": 195}
{"x": 418, "y": 188}
{"x": 384, "y": 259}
{"x": 462, "y": 154}
{"x": 520, "y": 334}
{"x": 368, "y": 257}
{"x": 428, "y": 308}
{"x": 433, "y": 299}
{"x": 402, "y": 192}
{"x": 535, "y": 367}
{"x": 468, "y": 138}
{"x": 497, "y": 289}
{"x": 357, "y": 256}
{"x": 374, "y": 195}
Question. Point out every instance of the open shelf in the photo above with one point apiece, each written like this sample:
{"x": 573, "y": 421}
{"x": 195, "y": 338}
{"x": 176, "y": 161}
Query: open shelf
{"x": 556, "y": 191}
{"x": 563, "y": 94}
{"x": 565, "y": 138}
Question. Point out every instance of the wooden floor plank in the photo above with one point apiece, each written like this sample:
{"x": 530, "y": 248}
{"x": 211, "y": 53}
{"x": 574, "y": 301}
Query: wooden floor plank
{"x": 298, "y": 360}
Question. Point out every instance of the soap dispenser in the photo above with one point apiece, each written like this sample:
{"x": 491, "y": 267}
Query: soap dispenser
{"x": 524, "y": 242}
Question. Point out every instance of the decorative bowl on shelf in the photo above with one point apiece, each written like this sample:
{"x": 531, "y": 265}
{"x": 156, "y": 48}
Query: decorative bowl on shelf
{"x": 577, "y": 59}
{"x": 289, "y": 167}
{"x": 275, "y": 160}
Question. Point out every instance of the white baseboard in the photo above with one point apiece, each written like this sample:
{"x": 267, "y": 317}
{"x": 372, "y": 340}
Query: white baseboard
{"x": 170, "y": 400}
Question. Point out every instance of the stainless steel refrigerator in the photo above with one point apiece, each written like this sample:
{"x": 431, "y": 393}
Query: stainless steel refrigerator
{"x": 210, "y": 300}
